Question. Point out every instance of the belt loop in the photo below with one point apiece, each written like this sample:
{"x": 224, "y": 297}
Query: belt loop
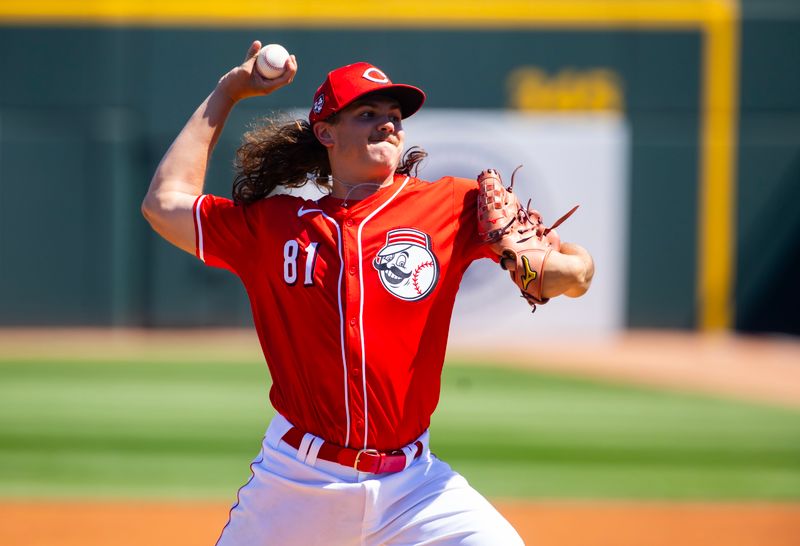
{"x": 409, "y": 451}
{"x": 313, "y": 451}
{"x": 302, "y": 451}
{"x": 277, "y": 429}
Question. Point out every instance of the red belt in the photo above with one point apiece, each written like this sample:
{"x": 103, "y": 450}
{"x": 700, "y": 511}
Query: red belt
{"x": 363, "y": 460}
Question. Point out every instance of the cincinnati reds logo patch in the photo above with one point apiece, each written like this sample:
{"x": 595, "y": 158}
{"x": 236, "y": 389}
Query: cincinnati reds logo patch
{"x": 406, "y": 264}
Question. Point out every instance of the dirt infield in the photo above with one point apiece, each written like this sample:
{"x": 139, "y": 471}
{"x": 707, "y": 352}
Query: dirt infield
{"x": 540, "y": 524}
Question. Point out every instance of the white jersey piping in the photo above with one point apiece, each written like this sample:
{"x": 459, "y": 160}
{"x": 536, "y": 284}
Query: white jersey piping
{"x": 361, "y": 305}
{"x": 200, "y": 252}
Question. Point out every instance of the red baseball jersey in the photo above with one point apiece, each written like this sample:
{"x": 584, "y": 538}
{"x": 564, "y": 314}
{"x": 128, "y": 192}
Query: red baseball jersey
{"x": 351, "y": 301}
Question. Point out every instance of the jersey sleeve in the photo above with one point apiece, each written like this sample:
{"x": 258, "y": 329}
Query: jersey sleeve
{"x": 225, "y": 233}
{"x": 465, "y": 213}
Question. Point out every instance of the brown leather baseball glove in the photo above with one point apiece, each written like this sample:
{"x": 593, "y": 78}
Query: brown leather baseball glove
{"x": 516, "y": 234}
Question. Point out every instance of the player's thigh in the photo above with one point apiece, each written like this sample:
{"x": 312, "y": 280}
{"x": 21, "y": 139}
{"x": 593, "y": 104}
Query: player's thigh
{"x": 442, "y": 509}
{"x": 287, "y": 502}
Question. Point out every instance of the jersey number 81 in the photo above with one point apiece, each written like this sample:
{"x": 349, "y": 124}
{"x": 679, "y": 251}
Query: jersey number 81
{"x": 291, "y": 250}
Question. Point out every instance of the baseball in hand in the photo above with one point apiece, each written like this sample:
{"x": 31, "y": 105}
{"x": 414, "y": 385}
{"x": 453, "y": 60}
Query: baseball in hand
{"x": 271, "y": 60}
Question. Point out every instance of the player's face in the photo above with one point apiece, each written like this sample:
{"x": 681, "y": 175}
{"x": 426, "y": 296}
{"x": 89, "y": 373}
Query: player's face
{"x": 368, "y": 138}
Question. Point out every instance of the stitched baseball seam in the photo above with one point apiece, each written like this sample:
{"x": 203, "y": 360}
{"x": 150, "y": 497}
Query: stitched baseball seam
{"x": 268, "y": 63}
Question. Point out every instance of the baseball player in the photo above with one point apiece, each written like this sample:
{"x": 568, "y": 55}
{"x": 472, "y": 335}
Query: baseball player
{"x": 351, "y": 297}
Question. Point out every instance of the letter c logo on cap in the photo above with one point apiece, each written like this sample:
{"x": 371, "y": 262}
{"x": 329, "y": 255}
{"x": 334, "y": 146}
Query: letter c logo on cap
{"x": 374, "y": 75}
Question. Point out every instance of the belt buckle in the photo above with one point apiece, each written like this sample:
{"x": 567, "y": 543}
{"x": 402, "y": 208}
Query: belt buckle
{"x": 361, "y": 452}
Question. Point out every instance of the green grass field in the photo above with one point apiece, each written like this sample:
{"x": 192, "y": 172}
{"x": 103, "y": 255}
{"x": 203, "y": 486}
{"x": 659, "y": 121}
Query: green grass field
{"x": 188, "y": 430}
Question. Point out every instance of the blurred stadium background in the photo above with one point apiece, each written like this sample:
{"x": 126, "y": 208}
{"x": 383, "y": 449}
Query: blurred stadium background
{"x": 661, "y": 407}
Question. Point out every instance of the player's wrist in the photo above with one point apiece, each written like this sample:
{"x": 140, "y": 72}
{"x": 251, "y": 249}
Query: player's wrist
{"x": 230, "y": 88}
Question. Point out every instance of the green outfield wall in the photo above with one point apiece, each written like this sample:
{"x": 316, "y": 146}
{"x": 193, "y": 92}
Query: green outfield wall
{"x": 89, "y": 102}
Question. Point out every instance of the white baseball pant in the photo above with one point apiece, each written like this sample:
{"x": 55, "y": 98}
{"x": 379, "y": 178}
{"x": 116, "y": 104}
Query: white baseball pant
{"x": 308, "y": 502}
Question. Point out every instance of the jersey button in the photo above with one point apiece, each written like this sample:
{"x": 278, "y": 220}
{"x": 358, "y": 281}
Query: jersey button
{"x": 356, "y": 371}
{"x": 352, "y": 322}
{"x": 353, "y": 270}
{"x": 349, "y": 222}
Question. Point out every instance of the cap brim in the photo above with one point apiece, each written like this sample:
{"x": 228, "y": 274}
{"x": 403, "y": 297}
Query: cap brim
{"x": 410, "y": 98}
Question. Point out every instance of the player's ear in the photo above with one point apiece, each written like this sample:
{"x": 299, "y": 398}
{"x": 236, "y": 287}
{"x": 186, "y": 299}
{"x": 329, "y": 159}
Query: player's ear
{"x": 324, "y": 133}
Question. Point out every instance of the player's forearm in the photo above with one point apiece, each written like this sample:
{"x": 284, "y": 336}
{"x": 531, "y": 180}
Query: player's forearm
{"x": 180, "y": 176}
{"x": 182, "y": 170}
{"x": 568, "y": 272}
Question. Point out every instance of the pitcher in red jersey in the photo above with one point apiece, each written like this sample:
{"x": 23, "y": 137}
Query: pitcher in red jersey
{"x": 377, "y": 261}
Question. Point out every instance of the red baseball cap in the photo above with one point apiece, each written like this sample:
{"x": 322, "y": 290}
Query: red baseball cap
{"x": 349, "y": 83}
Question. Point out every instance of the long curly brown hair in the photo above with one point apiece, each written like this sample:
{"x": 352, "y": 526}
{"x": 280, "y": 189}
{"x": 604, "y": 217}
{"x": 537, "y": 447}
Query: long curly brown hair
{"x": 277, "y": 152}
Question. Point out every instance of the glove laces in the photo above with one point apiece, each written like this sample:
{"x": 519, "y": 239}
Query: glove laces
{"x": 530, "y": 217}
